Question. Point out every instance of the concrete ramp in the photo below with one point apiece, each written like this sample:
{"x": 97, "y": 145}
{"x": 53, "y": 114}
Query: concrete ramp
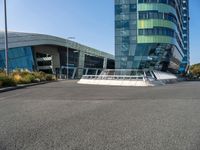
{"x": 115, "y": 82}
{"x": 129, "y": 78}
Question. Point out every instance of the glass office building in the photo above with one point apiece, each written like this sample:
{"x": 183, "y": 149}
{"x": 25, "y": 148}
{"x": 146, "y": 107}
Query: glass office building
{"x": 50, "y": 54}
{"x": 152, "y": 34}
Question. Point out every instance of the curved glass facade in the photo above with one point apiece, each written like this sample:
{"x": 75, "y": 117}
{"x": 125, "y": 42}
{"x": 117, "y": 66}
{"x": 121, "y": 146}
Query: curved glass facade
{"x": 168, "y": 2}
{"x": 158, "y": 31}
{"x": 157, "y": 15}
{"x": 157, "y": 56}
{"x": 151, "y": 35}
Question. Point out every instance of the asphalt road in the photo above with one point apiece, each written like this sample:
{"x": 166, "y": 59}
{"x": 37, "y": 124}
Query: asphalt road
{"x": 68, "y": 116}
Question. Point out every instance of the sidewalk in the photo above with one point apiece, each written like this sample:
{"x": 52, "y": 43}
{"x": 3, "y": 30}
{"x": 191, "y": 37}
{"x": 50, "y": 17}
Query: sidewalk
{"x": 6, "y": 89}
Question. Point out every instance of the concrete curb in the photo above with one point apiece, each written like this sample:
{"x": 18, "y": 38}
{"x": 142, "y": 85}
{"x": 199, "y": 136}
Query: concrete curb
{"x": 6, "y": 89}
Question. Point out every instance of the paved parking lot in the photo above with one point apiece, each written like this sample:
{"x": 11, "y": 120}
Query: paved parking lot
{"x": 67, "y": 116}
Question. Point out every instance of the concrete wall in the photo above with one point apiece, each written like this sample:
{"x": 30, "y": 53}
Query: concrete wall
{"x": 51, "y": 50}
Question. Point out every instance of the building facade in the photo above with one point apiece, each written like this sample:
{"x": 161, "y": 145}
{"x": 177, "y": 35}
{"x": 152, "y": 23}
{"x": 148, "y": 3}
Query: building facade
{"x": 50, "y": 54}
{"x": 152, "y": 34}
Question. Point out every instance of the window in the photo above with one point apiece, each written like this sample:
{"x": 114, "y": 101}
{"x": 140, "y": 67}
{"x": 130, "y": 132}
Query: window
{"x": 118, "y": 9}
{"x": 169, "y": 2}
{"x": 158, "y": 31}
{"x": 93, "y": 62}
{"x": 125, "y": 39}
{"x": 122, "y": 24}
{"x": 157, "y": 15}
{"x": 133, "y": 7}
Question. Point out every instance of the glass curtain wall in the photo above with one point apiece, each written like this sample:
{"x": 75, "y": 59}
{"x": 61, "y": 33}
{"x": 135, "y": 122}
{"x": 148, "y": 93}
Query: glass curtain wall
{"x": 125, "y": 33}
{"x": 151, "y": 34}
{"x": 18, "y": 58}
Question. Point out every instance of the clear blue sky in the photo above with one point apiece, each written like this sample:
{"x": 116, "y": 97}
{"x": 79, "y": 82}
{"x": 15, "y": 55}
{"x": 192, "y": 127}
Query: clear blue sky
{"x": 90, "y": 21}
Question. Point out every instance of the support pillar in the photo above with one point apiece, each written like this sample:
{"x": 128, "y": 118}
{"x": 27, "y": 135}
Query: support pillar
{"x": 81, "y": 64}
{"x": 105, "y": 63}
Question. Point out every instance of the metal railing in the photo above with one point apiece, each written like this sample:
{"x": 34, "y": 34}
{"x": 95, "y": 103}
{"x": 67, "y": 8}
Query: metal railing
{"x": 113, "y": 77}
{"x": 128, "y": 77}
{"x": 123, "y": 74}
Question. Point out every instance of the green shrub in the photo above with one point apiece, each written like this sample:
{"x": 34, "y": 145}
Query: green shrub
{"x": 1, "y": 84}
{"x": 40, "y": 75}
{"x": 7, "y": 81}
{"x": 2, "y": 74}
{"x": 50, "y": 77}
{"x": 23, "y": 77}
{"x": 27, "y": 78}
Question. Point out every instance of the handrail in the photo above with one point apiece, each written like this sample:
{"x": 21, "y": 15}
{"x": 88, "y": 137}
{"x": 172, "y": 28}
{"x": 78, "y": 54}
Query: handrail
{"x": 113, "y": 77}
{"x": 127, "y": 75}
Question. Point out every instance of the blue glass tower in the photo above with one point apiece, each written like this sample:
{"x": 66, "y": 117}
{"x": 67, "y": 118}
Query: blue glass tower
{"x": 152, "y": 34}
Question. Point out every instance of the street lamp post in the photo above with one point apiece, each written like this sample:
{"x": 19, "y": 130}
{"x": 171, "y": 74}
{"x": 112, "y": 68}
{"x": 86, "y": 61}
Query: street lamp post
{"x": 6, "y": 39}
{"x": 67, "y": 62}
{"x": 75, "y": 67}
{"x": 68, "y": 57}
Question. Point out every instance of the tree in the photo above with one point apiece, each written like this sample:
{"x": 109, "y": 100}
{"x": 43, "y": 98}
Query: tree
{"x": 195, "y": 70}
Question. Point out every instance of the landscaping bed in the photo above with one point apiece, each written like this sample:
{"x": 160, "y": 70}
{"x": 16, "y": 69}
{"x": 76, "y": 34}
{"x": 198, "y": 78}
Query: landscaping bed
{"x": 19, "y": 77}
